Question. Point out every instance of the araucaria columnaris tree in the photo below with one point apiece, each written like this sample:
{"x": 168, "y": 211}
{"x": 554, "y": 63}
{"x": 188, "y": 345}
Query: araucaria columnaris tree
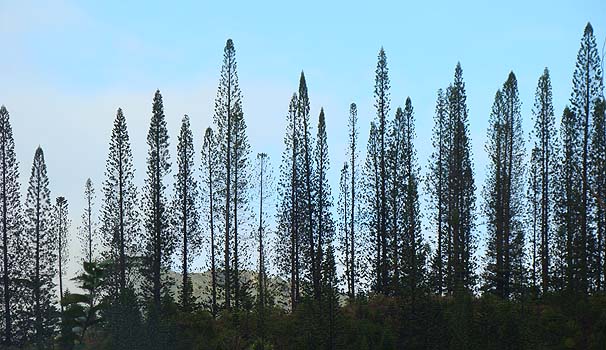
{"x": 543, "y": 165}
{"x": 504, "y": 195}
{"x": 119, "y": 216}
{"x": 343, "y": 210}
{"x": 42, "y": 254}
{"x": 60, "y": 223}
{"x": 159, "y": 238}
{"x": 598, "y": 185}
{"x": 352, "y": 210}
{"x": 371, "y": 199}
{"x": 460, "y": 189}
{"x": 12, "y": 261}
{"x": 88, "y": 231}
{"x": 382, "y": 105}
{"x": 586, "y": 90}
{"x": 187, "y": 218}
{"x": 233, "y": 151}
{"x": 437, "y": 184}
{"x": 288, "y": 209}
{"x": 209, "y": 170}
{"x": 322, "y": 198}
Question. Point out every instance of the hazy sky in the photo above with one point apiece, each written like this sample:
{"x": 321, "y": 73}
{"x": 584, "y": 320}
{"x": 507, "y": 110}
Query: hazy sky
{"x": 66, "y": 66}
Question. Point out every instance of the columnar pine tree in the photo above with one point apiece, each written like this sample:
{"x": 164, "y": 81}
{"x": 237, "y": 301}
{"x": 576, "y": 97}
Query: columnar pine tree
{"x": 61, "y": 222}
{"x": 436, "y": 187}
{"x": 371, "y": 198}
{"x": 12, "y": 267}
{"x": 414, "y": 251}
{"x": 343, "y": 209}
{"x": 544, "y": 163}
{"x": 598, "y": 186}
{"x": 396, "y": 201}
{"x": 228, "y": 109}
{"x": 159, "y": 238}
{"x": 382, "y": 102}
{"x": 533, "y": 195}
{"x": 503, "y": 193}
{"x": 187, "y": 218}
{"x": 241, "y": 210}
{"x": 306, "y": 199}
{"x": 209, "y": 170}
{"x": 42, "y": 254}
{"x": 353, "y": 203}
{"x": 119, "y": 216}
{"x": 288, "y": 208}
{"x": 323, "y": 197}
{"x": 460, "y": 192}
{"x": 587, "y": 89}
{"x": 567, "y": 202}
{"x": 87, "y": 231}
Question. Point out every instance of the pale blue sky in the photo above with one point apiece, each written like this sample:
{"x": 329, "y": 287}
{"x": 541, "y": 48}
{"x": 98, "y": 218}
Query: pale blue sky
{"x": 66, "y": 66}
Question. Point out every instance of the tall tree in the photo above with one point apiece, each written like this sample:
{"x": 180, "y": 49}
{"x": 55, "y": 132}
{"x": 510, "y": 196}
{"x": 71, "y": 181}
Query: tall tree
{"x": 598, "y": 185}
{"x": 61, "y": 224}
{"x": 323, "y": 197}
{"x": 353, "y": 217}
{"x": 87, "y": 231}
{"x": 228, "y": 108}
{"x": 12, "y": 264}
{"x": 119, "y": 216}
{"x": 414, "y": 250}
{"x": 567, "y": 205}
{"x": 436, "y": 186}
{"x": 371, "y": 207}
{"x": 544, "y": 163}
{"x": 159, "y": 240}
{"x": 504, "y": 192}
{"x": 306, "y": 199}
{"x": 586, "y": 90}
{"x": 288, "y": 208}
{"x": 343, "y": 209}
{"x": 209, "y": 182}
{"x": 460, "y": 191}
{"x": 382, "y": 102}
{"x": 533, "y": 201}
{"x": 42, "y": 250}
{"x": 187, "y": 220}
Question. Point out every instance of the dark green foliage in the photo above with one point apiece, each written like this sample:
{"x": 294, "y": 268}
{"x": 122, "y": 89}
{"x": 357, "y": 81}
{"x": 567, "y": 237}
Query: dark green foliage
{"x": 185, "y": 208}
{"x": 124, "y": 326}
{"x": 42, "y": 256}
{"x": 505, "y": 273}
{"x": 119, "y": 216}
{"x": 13, "y": 321}
{"x": 88, "y": 231}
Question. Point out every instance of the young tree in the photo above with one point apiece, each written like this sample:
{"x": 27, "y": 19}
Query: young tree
{"x": 61, "y": 223}
{"x": 88, "y": 232}
{"x": 42, "y": 254}
{"x": 323, "y": 198}
{"x": 12, "y": 262}
{"x": 159, "y": 240}
{"x": 504, "y": 192}
{"x": 460, "y": 192}
{"x": 436, "y": 187}
{"x": 187, "y": 220}
{"x": 209, "y": 169}
{"x": 587, "y": 89}
{"x": 119, "y": 216}
{"x": 544, "y": 163}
